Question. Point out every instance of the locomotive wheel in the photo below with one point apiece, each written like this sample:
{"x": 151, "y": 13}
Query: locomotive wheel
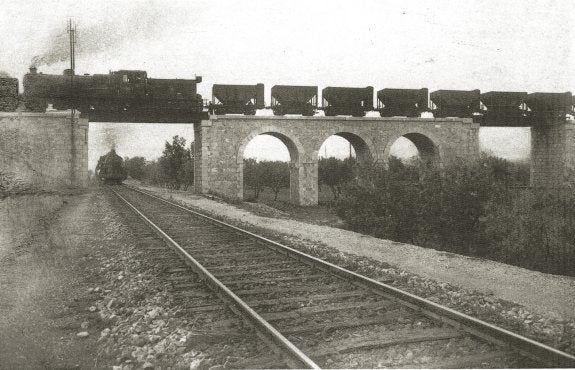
{"x": 36, "y": 104}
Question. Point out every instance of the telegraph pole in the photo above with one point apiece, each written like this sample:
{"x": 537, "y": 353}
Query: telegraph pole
{"x": 72, "y": 34}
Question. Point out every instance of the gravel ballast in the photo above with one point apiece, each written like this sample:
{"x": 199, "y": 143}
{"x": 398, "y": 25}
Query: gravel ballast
{"x": 530, "y": 303}
{"x": 84, "y": 290}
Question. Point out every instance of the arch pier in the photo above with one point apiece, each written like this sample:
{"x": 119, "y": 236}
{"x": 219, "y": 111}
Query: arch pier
{"x": 221, "y": 141}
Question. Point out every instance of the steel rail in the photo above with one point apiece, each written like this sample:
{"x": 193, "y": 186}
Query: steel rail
{"x": 539, "y": 352}
{"x": 293, "y": 355}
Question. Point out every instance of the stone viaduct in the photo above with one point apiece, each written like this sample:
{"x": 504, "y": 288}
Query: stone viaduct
{"x": 50, "y": 150}
{"x": 220, "y": 143}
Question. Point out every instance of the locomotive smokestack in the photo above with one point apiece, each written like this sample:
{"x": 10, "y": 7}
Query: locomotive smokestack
{"x": 33, "y": 70}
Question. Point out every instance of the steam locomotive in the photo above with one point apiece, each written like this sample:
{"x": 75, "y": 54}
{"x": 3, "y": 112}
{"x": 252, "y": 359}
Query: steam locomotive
{"x": 125, "y": 95}
{"x": 110, "y": 169}
{"x": 130, "y": 96}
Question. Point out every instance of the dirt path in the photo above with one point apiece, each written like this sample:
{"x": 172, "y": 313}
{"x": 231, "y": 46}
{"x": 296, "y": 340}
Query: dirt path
{"x": 44, "y": 298}
{"x": 548, "y": 295}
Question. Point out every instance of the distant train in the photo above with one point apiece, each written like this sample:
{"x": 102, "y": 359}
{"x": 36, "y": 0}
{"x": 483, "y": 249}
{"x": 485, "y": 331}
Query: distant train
{"x": 110, "y": 169}
{"x": 130, "y": 96}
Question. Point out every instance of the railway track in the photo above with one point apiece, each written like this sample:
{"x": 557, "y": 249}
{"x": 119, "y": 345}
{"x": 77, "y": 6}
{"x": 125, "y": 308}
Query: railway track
{"x": 315, "y": 314}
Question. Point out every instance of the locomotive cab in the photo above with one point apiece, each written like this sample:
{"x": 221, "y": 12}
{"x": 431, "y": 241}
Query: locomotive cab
{"x": 130, "y": 85}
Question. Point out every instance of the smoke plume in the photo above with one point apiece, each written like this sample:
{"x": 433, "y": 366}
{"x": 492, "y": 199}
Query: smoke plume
{"x": 4, "y": 75}
{"x": 109, "y": 138}
{"x": 118, "y": 30}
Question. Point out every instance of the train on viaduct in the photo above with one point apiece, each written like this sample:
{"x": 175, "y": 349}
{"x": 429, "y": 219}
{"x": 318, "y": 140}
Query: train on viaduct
{"x": 225, "y": 124}
{"x": 132, "y": 95}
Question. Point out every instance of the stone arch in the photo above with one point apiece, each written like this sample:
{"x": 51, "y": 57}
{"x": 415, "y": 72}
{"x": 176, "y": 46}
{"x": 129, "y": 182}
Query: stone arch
{"x": 296, "y": 152}
{"x": 295, "y": 148}
{"x": 430, "y": 151}
{"x": 364, "y": 148}
{"x": 364, "y": 151}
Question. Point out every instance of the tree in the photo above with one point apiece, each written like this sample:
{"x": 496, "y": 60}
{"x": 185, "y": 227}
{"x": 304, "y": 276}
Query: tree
{"x": 186, "y": 174}
{"x": 253, "y": 176}
{"x": 154, "y": 173}
{"x": 135, "y": 167}
{"x": 335, "y": 173}
{"x": 187, "y": 169}
{"x": 173, "y": 160}
{"x": 276, "y": 175}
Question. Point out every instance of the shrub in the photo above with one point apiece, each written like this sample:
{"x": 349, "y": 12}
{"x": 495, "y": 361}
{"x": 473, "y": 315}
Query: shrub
{"x": 253, "y": 177}
{"x": 471, "y": 209}
{"x": 335, "y": 173}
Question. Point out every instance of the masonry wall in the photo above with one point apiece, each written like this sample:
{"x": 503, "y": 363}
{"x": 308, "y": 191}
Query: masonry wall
{"x": 552, "y": 153}
{"x": 222, "y": 140}
{"x": 44, "y": 150}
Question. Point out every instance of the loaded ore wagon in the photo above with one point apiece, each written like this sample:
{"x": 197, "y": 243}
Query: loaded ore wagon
{"x": 455, "y": 103}
{"x": 8, "y": 94}
{"x": 110, "y": 169}
{"x": 402, "y": 102}
{"x": 504, "y": 108}
{"x": 237, "y": 99}
{"x": 294, "y": 100}
{"x": 549, "y": 105}
{"x": 347, "y": 101}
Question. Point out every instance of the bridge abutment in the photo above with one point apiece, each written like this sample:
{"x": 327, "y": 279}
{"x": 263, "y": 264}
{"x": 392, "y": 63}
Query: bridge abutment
{"x": 552, "y": 153}
{"x": 44, "y": 150}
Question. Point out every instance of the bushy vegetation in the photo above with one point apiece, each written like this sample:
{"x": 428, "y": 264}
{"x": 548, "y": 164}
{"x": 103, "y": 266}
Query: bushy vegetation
{"x": 483, "y": 209}
{"x": 265, "y": 174}
{"x": 472, "y": 209}
{"x": 335, "y": 173}
{"x": 275, "y": 175}
{"x": 174, "y": 169}
{"x": 536, "y": 231}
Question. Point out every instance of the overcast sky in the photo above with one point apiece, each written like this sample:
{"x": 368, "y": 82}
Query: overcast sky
{"x": 487, "y": 45}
